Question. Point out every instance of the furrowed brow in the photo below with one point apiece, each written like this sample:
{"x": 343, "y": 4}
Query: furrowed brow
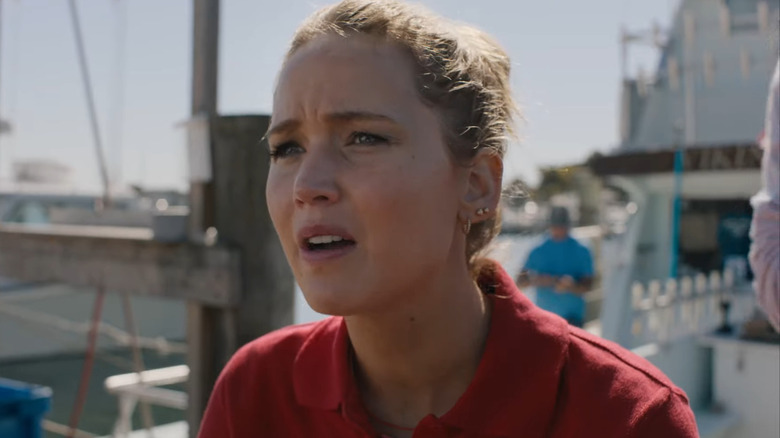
{"x": 349, "y": 116}
{"x": 285, "y": 126}
{"x": 339, "y": 117}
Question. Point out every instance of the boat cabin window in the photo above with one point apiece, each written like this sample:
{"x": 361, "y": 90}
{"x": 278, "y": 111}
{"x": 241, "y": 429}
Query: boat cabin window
{"x": 29, "y": 213}
{"x": 743, "y": 15}
{"x": 715, "y": 234}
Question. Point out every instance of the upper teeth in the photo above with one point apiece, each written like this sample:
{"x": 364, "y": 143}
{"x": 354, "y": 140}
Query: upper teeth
{"x": 325, "y": 239}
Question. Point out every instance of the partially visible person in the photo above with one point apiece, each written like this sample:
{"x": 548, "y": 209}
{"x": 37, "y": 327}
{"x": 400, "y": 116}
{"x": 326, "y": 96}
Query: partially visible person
{"x": 765, "y": 228}
{"x": 387, "y": 139}
{"x": 561, "y": 270}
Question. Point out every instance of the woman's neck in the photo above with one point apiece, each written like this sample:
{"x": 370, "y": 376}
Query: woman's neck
{"x": 419, "y": 358}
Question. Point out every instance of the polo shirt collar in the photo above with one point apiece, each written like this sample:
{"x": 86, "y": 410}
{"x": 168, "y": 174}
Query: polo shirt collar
{"x": 516, "y": 383}
{"x": 321, "y": 371}
{"x": 515, "y": 388}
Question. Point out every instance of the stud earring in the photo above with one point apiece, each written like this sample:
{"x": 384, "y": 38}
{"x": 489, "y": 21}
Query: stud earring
{"x": 481, "y": 211}
{"x": 467, "y": 226}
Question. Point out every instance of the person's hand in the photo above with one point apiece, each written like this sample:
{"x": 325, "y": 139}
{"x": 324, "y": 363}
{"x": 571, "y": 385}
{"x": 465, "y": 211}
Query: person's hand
{"x": 565, "y": 284}
{"x": 544, "y": 280}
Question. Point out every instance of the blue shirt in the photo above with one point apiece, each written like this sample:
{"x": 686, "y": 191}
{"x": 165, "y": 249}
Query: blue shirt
{"x": 559, "y": 258}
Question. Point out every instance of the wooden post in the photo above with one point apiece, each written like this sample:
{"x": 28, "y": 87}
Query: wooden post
{"x": 243, "y": 223}
{"x": 205, "y": 69}
{"x": 202, "y": 320}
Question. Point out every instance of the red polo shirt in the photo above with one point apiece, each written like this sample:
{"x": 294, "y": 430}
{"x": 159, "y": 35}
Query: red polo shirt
{"x": 538, "y": 377}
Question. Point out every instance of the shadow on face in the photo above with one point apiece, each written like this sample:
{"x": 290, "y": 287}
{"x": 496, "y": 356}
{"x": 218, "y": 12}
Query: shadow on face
{"x": 559, "y": 233}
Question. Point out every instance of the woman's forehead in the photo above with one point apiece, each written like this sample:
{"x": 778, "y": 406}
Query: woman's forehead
{"x": 334, "y": 73}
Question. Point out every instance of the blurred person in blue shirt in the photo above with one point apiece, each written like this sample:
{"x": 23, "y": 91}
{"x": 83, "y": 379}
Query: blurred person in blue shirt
{"x": 561, "y": 270}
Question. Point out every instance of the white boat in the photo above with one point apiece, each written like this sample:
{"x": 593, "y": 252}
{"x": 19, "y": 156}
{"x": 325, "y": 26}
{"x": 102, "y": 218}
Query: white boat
{"x": 679, "y": 292}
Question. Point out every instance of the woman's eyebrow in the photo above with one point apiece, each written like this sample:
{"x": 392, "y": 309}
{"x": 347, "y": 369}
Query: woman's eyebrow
{"x": 350, "y": 116}
{"x": 287, "y": 125}
{"x": 339, "y": 117}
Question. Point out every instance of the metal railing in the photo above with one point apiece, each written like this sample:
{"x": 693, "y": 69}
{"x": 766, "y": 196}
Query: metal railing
{"x": 664, "y": 312}
{"x": 144, "y": 387}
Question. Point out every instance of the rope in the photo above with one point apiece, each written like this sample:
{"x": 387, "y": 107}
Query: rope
{"x": 60, "y": 324}
{"x": 116, "y": 361}
{"x": 116, "y": 121}
{"x": 89, "y": 359}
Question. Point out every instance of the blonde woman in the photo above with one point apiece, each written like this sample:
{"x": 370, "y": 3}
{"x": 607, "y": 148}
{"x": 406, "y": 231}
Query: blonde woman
{"x": 387, "y": 138}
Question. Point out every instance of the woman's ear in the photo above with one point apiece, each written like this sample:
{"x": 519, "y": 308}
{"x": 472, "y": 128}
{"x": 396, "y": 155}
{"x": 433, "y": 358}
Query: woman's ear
{"x": 483, "y": 185}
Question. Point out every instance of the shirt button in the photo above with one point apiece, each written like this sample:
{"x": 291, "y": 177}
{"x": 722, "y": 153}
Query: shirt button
{"x": 430, "y": 426}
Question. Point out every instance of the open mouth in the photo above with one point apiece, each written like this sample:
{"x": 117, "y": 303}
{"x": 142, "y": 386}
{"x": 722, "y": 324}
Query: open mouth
{"x": 324, "y": 243}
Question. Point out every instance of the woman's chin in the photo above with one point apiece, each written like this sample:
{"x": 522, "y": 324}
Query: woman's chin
{"x": 346, "y": 296}
{"x": 334, "y": 304}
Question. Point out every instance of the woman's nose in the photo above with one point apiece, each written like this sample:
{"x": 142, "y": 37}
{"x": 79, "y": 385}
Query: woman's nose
{"x": 317, "y": 178}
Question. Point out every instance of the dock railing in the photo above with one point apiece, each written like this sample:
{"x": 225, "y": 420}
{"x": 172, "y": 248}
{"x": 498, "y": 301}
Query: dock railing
{"x": 144, "y": 387}
{"x": 662, "y": 312}
{"x": 663, "y": 322}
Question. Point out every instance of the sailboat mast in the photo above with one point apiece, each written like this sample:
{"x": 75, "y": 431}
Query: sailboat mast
{"x": 2, "y": 124}
{"x": 82, "y": 57}
{"x": 689, "y": 79}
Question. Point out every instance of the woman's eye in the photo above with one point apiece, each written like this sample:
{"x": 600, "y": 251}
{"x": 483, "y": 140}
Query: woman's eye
{"x": 285, "y": 150}
{"x": 364, "y": 138}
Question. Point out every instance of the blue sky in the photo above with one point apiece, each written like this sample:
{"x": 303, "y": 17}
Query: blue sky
{"x": 565, "y": 59}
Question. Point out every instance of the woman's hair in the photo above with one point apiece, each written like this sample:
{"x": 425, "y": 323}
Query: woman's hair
{"x": 462, "y": 72}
